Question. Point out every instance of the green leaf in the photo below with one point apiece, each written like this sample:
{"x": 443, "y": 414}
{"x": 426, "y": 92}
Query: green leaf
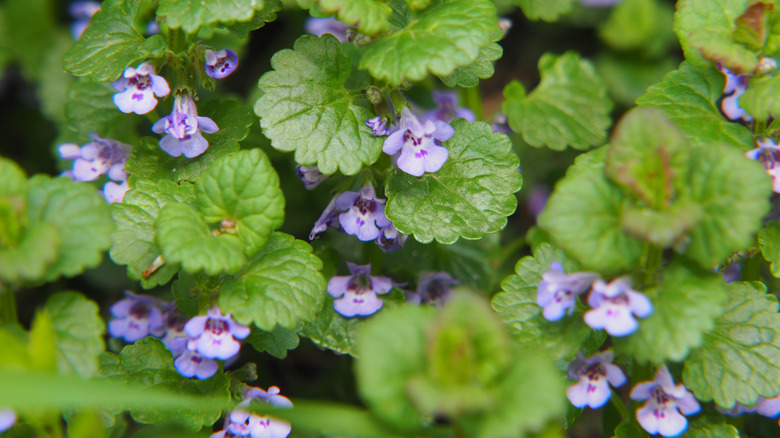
{"x": 305, "y": 108}
{"x": 148, "y": 161}
{"x": 13, "y": 194}
{"x": 716, "y": 44}
{"x": 266, "y": 15}
{"x": 685, "y": 306}
{"x": 516, "y": 306}
{"x": 547, "y": 10}
{"x": 628, "y": 76}
{"x": 81, "y": 217}
{"x": 630, "y": 430}
{"x": 583, "y": 217}
{"x": 334, "y": 332}
{"x": 28, "y": 262}
{"x": 110, "y": 43}
{"x": 694, "y": 15}
{"x": 276, "y": 342}
{"x": 758, "y": 100}
{"x": 90, "y": 108}
{"x": 147, "y": 363}
{"x": 752, "y": 28}
{"x": 370, "y": 16}
{"x": 688, "y": 97}
{"x": 740, "y": 359}
{"x": 187, "y": 292}
{"x": 704, "y": 428}
{"x": 662, "y": 228}
{"x": 190, "y": 15}
{"x": 481, "y": 68}
{"x": 569, "y": 106}
{"x": 720, "y": 178}
{"x": 281, "y": 285}
{"x": 769, "y": 242}
{"x": 447, "y": 35}
{"x": 134, "y": 236}
{"x": 643, "y": 26}
{"x": 470, "y": 196}
{"x": 79, "y": 333}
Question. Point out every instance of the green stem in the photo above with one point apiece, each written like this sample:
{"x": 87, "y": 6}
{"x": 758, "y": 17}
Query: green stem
{"x": 750, "y": 270}
{"x": 7, "y": 305}
{"x": 621, "y": 408}
{"x": 177, "y": 40}
{"x": 473, "y": 99}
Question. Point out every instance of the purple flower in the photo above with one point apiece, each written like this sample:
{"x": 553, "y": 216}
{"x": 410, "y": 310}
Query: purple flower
{"x": 136, "y": 317}
{"x": 500, "y": 124}
{"x": 736, "y": 85}
{"x": 114, "y": 192}
{"x": 390, "y": 239}
{"x": 660, "y": 414}
{"x": 327, "y": 219}
{"x": 358, "y": 292}
{"x": 595, "y": 374}
{"x": 447, "y": 110}
{"x": 215, "y": 335}
{"x": 193, "y": 364}
{"x": 769, "y": 152}
{"x": 310, "y": 175}
{"x": 262, "y": 426}
{"x": 558, "y": 291}
{"x": 99, "y": 157}
{"x": 7, "y": 418}
{"x": 417, "y": 142}
{"x": 82, "y": 12}
{"x": 433, "y": 288}
{"x": 232, "y": 430}
{"x": 137, "y": 88}
{"x": 769, "y": 407}
{"x": 365, "y": 213}
{"x": 614, "y": 305}
{"x": 220, "y": 64}
{"x": 183, "y": 129}
{"x": 378, "y": 126}
{"x": 321, "y": 26}
{"x": 175, "y": 337}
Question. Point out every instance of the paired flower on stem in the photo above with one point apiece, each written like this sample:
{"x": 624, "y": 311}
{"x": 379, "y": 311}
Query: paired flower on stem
{"x": 666, "y": 405}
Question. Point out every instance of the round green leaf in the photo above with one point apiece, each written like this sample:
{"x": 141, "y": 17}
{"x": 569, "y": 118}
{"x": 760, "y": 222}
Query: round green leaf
{"x": 79, "y": 333}
{"x": 718, "y": 17}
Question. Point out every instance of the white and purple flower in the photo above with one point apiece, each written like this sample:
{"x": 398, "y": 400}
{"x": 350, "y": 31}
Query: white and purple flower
{"x": 769, "y": 153}
{"x": 310, "y": 175}
{"x": 557, "y": 292}
{"x": 365, "y": 213}
{"x": 99, "y": 157}
{"x": 259, "y": 426}
{"x": 419, "y": 144}
{"x": 390, "y": 239}
{"x": 328, "y": 218}
{"x": 175, "y": 338}
{"x": 614, "y": 306}
{"x": 215, "y": 335}
{"x": 137, "y": 89}
{"x": 595, "y": 374}
{"x": 114, "y": 192}
{"x": 357, "y": 293}
{"x": 183, "y": 128}
{"x": 378, "y": 126}
{"x": 735, "y": 86}
{"x": 660, "y": 414}
{"x": 136, "y": 317}
{"x": 321, "y": 26}
{"x": 193, "y": 364}
{"x": 221, "y": 63}
{"x": 433, "y": 288}
{"x": 447, "y": 110}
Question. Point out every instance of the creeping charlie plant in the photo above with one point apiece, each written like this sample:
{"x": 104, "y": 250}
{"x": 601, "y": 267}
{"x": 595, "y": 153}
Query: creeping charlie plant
{"x": 304, "y": 218}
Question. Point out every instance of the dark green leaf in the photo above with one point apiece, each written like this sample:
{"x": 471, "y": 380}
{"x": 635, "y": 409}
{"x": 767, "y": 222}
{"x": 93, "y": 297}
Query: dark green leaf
{"x": 547, "y": 10}
{"x": 190, "y": 15}
{"x": 769, "y": 242}
{"x": 276, "y": 342}
{"x": 693, "y": 15}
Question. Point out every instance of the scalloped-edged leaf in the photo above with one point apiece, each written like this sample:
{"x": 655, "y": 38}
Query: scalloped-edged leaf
{"x": 688, "y": 97}
{"x": 134, "y": 237}
{"x": 276, "y": 342}
{"x": 699, "y": 14}
{"x": 769, "y": 242}
{"x": 190, "y": 15}
{"x": 470, "y": 196}
{"x": 516, "y": 306}
{"x": 740, "y": 359}
{"x": 334, "y": 332}
{"x": 282, "y": 285}
{"x": 148, "y": 363}
{"x": 110, "y": 43}
{"x": 685, "y": 306}
{"x": 13, "y": 200}
{"x": 305, "y": 108}
{"x": 547, "y": 10}
{"x": 81, "y": 216}
{"x": 447, "y": 35}
{"x": 569, "y": 106}
{"x": 760, "y": 99}
{"x": 266, "y": 15}
{"x": 370, "y": 16}
{"x": 716, "y": 44}
{"x": 643, "y": 26}
{"x": 720, "y": 178}
{"x": 79, "y": 333}
{"x": 148, "y": 161}
{"x": 481, "y": 68}
{"x": 583, "y": 217}
{"x": 37, "y": 249}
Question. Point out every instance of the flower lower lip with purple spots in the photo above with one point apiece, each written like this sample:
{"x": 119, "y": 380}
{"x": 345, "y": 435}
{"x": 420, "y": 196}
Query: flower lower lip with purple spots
{"x": 595, "y": 374}
{"x": 665, "y": 403}
{"x": 357, "y": 293}
{"x": 137, "y": 89}
{"x": 183, "y": 129}
{"x": 419, "y": 144}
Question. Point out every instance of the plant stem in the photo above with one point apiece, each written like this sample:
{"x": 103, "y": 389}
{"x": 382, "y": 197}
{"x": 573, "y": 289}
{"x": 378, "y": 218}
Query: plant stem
{"x": 473, "y": 100}
{"x": 7, "y": 305}
{"x": 621, "y": 408}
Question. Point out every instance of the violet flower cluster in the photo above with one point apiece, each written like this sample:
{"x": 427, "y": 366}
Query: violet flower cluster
{"x": 241, "y": 423}
{"x": 101, "y": 156}
{"x": 614, "y": 305}
{"x": 356, "y": 294}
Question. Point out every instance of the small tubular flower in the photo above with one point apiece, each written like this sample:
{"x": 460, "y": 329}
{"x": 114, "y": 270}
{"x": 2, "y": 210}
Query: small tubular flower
{"x": 390, "y": 239}
{"x": 357, "y": 293}
{"x": 321, "y": 26}
{"x": 175, "y": 338}
{"x": 660, "y": 414}
{"x": 137, "y": 89}
{"x": 183, "y": 128}
{"x": 419, "y": 144}
{"x": 447, "y": 110}
{"x": 99, "y": 157}
{"x": 433, "y": 288}
{"x": 557, "y": 292}
{"x": 220, "y": 64}
{"x": 614, "y": 306}
{"x": 769, "y": 153}
{"x": 378, "y": 126}
{"x": 215, "y": 335}
{"x": 595, "y": 374}
{"x": 136, "y": 317}
{"x": 114, "y": 192}
{"x": 193, "y": 364}
{"x": 735, "y": 86}
{"x": 365, "y": 213}
{"x": 310, "y": 175}
{"x": 262, "y": 426}
{"x": 328, "y": 218}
